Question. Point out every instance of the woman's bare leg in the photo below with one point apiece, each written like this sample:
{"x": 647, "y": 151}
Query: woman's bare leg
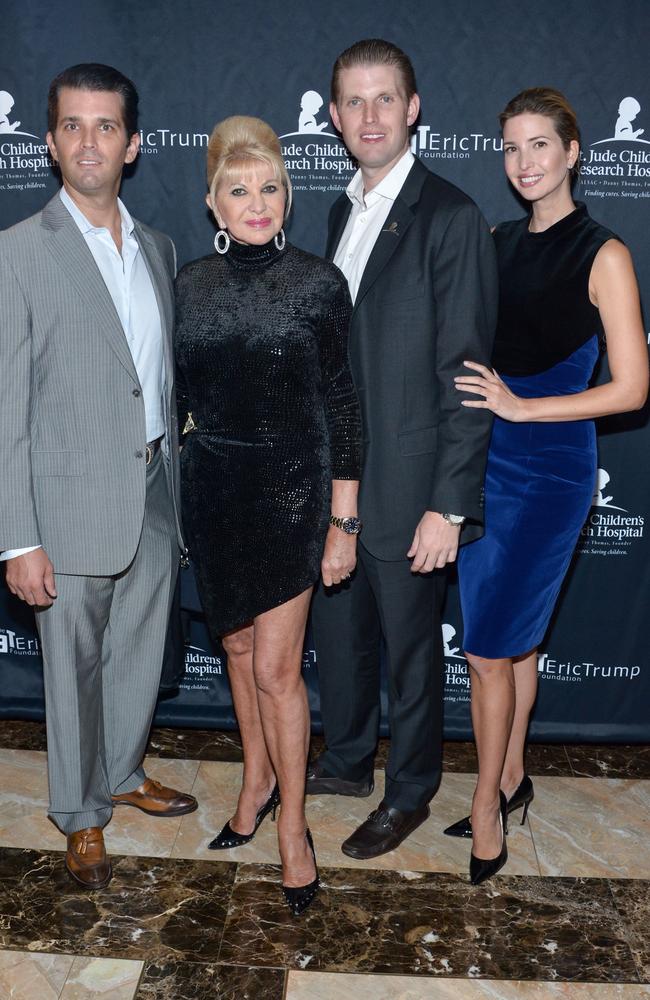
{"x": 493, "y": 706}
{"x": 284, "y": 711}
{"x": 525, "y": 672}
{"x": 259, "y": 779}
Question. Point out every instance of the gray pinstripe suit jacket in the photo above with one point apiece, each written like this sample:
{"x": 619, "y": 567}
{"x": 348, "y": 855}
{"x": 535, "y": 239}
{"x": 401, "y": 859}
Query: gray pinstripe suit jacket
{"x": 72, "y": 421}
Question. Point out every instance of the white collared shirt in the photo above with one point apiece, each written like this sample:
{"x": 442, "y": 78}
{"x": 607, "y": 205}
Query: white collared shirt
{"x": 129, "y": 283}
{"x": 367, "y": 218}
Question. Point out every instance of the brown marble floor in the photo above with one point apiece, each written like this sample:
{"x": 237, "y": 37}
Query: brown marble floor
{"x": 589, "y": 761}
{"x": 177, "y": 922}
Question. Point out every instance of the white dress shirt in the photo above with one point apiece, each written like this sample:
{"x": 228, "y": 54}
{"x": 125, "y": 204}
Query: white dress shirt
{"x": 129, "y": 283}
{"x": 366, "y": 220}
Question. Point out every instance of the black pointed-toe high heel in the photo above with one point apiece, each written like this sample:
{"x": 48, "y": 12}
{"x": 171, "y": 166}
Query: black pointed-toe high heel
{"x": 523, "y": 795}
{"x": 481, "y": 869}
{"x": 299, "y": 897}
{"x": 230, "y": 838}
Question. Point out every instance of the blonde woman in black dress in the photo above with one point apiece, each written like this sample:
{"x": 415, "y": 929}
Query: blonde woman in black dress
{"x": 270, "y": 468}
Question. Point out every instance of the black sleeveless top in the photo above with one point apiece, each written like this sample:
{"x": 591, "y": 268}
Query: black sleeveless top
{"x": 545, "y": 313}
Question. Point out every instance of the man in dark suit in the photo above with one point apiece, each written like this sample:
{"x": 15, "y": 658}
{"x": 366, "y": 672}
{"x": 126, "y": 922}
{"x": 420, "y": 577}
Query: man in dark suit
{"x": 421, "y": 267}
{"x": 89, "y": 523}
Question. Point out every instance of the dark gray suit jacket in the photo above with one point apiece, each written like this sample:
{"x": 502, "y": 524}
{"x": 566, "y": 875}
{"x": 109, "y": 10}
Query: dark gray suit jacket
{"x": 72, "y": 422}
{"x": 427, "y": 301}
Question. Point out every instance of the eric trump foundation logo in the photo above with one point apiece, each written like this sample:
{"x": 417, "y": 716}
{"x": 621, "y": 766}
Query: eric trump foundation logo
{"x": 619, "y": 165}
{"x": 567, "y": 670}
{"x": 14, "y": 644}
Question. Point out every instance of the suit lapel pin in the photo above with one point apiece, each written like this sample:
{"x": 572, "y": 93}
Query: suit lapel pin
{"x": 391, "y": 228}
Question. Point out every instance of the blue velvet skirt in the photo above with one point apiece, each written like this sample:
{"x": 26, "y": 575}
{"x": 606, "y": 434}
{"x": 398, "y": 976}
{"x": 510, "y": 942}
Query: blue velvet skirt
{"x": 538, "y": 489}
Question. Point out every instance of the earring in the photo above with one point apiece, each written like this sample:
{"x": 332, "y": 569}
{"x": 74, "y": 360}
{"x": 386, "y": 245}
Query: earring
{"x": 222, "y": 241}
{"x": 280, "y": 240}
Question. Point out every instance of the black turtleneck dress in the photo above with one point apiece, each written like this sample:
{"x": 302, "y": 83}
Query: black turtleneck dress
{"x": 262, "y": 367}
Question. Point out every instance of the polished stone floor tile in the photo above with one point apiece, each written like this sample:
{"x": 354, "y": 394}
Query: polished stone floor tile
{"x": 632, "y": 900}
{"x": 610, "y": 761}
{"x": 25, "y": 976}
{"x": 339, "y": 986}
{"x": 193, "y": 981}
{"x": 31, "y": 976}
{"x": 407, "y": 923}
{"x": 216, "y": 788}
{"x": 24, "y": 799}
{"x": 154, "y": 909}
{"x": 102, "y": 979}
{"x": 333, "y": 817}
{"x": 195, "y": 744}
{"x": 16, "y": 734}
{"x": 588, "y": 827}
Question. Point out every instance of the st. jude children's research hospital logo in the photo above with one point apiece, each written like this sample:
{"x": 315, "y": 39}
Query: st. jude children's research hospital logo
{"x": 456, "y": 669}
{"x": 619, "y": 165}
{"x": 610, "y": 529}
{"x": 316, "y": 157}
{"x": 24, "y": 157}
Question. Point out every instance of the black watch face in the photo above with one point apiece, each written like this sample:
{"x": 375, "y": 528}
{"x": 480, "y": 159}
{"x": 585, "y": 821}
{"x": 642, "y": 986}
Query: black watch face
{"x": 351, "y": 525}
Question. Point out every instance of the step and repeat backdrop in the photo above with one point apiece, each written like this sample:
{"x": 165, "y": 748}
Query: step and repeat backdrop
{"x": 197, "y": 62}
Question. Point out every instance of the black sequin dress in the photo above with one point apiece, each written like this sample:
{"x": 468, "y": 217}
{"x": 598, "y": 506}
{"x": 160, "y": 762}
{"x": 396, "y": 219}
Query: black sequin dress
{"x": 262, "y": 366}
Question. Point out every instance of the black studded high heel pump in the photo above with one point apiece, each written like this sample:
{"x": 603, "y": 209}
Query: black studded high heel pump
{"x": 299, "y": 897}
{"x": 481, "y": 869}
{"x": 523, "y": 795}
{"x": 230, "y": 838}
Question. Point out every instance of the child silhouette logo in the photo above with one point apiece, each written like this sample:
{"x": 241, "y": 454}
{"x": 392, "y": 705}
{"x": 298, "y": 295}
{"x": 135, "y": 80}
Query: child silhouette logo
{"x": 628, "y": 109}
{"x": 7, "y": 127}
{"x": 6, "y": 104}
{"x": 624, "y": 131}
{"x": 599, "y": 500}
{"x": 310, "y": 104}
{"x": 448, "y": 633}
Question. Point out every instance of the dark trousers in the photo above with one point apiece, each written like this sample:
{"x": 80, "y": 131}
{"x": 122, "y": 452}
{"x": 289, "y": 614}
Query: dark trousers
{"x": 383, "y": 598}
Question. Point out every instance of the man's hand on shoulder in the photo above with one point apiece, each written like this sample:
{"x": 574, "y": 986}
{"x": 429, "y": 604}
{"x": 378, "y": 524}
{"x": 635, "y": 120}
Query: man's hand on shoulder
{"x": 31, "y": 578}
{"x": 435, "y": 543}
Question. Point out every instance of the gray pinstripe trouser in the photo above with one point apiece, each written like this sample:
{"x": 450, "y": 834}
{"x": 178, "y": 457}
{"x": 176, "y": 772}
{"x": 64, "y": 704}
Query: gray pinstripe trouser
{"x": 103, "y": 641}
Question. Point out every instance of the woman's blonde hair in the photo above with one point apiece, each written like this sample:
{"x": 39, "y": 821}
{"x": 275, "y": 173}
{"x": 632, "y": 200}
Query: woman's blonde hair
{"x": 238, "y": 142}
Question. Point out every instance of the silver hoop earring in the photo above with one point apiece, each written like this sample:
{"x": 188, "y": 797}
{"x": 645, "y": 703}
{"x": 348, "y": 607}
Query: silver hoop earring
{"x": 222, "y": 241}
{"x": 280, "y": 240}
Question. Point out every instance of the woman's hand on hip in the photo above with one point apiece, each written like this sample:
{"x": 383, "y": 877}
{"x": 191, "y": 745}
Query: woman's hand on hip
{"x": 497, "y": 397}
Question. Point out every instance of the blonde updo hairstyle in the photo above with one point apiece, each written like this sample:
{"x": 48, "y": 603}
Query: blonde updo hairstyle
{"x": 237, "y": 143}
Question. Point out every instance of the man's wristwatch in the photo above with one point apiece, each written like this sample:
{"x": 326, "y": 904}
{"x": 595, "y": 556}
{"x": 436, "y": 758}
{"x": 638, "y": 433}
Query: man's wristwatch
{"x": 350, "y": 525}
{"x": 456, "y": 519}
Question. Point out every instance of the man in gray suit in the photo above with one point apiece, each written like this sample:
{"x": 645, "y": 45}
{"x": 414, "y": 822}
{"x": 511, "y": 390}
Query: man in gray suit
{"x": 89, "y": 519}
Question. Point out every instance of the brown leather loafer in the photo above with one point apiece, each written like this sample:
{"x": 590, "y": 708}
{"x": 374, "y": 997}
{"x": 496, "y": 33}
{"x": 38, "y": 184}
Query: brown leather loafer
{"x": 383, "y": 831}
{"x": 86, "y": 858}
{"x": 157, "y": 800}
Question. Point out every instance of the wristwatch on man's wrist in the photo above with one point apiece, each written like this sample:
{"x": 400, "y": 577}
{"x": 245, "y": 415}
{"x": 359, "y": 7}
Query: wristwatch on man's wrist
{"x": 350, "y": 525}
{"x": 456, "y": 519}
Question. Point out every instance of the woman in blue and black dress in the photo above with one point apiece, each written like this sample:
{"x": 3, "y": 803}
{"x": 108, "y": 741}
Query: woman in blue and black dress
{"x": 564, "y": 283}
